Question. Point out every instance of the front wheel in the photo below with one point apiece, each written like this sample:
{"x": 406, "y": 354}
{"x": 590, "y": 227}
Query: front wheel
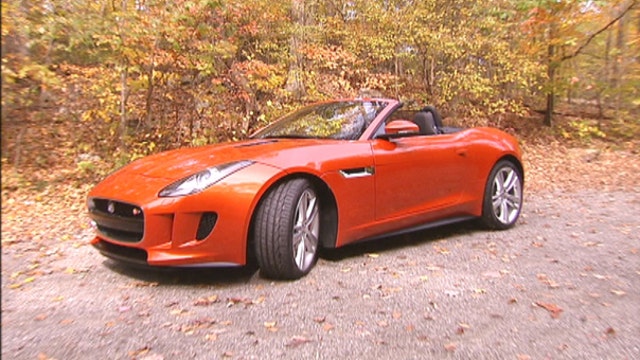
{"x": 502, "y": 196}
{"x": 287, "y": 229}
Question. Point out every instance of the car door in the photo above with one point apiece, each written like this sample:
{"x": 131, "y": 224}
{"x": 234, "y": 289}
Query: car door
{"x": 417, "y": 174}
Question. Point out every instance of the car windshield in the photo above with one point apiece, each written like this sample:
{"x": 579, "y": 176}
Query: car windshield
{"x": 345, "y": 120}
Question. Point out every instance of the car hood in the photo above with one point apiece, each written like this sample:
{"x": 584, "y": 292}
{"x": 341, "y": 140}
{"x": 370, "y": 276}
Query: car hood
{"x": 180, "y": 163}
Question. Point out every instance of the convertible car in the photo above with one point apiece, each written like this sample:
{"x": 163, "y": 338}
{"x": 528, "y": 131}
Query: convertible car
{"x": 330, "y": 174}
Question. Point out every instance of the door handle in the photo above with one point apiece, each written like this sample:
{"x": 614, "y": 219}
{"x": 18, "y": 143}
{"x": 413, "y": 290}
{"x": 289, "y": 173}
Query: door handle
{"x": 461, "y": 151}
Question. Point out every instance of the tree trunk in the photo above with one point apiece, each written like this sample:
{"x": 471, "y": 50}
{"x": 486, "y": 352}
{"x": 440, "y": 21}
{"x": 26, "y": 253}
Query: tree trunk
{"x": 295, "y": 83}
{"x": 124, "y": 73}
{"x": 551, "y": 92}
{"x": 150, "y": 84}
{"x": 617, "y": 64}
{"x": 124, "y": 93}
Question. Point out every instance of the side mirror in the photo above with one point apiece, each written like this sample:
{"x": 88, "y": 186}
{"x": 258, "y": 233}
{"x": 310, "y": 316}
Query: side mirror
{"x": 399, "y": 128}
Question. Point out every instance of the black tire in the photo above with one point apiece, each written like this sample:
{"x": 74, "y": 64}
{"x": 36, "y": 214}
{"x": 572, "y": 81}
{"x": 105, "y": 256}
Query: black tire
{"x": 286, "y": 230}
{"x": 503, "y": 196}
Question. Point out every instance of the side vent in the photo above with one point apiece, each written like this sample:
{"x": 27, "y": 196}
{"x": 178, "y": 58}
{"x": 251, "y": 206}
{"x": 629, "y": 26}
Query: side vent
{"x": 207, "y": 223}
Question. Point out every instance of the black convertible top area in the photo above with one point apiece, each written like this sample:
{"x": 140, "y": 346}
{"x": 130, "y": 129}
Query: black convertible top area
{"x": 428, "y": 120}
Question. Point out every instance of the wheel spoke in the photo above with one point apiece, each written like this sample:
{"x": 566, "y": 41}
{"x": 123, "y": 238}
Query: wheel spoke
{"x": 499, "y": 183}
{"x": 311, "y": 209}
{"x": 504, "y": 212}
{"x": 302, "y": 212}
{"x": 511, "y": 181}
{"x": 310, "y": 243}
{"x": 496, "y": 206}
{"x": 300, "y": 254}
{"x": 513, "y": 200}
{"x": 298, "y": 238}
{"x": 306, "y": 230}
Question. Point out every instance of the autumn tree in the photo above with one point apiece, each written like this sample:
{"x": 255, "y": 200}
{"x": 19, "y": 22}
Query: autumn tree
{"x": 565, "y": 29}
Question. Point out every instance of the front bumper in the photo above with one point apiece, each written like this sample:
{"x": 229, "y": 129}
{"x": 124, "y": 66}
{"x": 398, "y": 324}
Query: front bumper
{"x": 210, "y": 228}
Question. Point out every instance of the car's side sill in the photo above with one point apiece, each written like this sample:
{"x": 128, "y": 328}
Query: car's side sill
{"x": 420, "y": 227}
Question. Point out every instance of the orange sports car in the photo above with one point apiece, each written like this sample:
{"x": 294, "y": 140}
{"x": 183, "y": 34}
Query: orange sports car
{"x": 327, "y": 175}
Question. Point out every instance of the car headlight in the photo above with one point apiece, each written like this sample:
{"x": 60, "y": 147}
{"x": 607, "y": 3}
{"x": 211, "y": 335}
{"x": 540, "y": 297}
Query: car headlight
{"x": 203, "y": 179}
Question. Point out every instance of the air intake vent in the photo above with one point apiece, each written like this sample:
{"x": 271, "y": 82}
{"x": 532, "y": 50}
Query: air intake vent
{"x": 207, "y": 222}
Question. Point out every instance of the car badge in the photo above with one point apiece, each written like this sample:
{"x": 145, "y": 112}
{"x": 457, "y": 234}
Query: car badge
{"x": 111, "y": 207}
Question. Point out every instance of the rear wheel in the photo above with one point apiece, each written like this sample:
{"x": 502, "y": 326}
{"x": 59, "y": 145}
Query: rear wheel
{"x": 502, "y": 196}
{"x": 286, "y": 230}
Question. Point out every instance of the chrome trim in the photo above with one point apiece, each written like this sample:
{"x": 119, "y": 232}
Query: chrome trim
{"x": 358, "y": 172}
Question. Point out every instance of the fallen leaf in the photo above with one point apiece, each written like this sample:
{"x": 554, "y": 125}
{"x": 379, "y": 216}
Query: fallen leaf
{"x": 409, "y": 328}
{"x": 297, "y": 341}
{"x": 618, "y": 292}
{"x": 450, "y": 347}
{"x": 206, "y": 301}
{"x": 271, "y": 326}
{"x": 591, "y": 244}
{"x": 442, "y": 250}
{"x": 373, "y": 256}
{"x": 492, "y": 274}
{"x": 153, "y": 357}
{"x": 138, "y": 352}
{"x": 247, "y": 302}
{"x": 178, "y": 311}
{"x": 554, "y": 309}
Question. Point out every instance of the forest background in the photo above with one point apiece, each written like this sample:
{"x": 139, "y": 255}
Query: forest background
{"x": 88, "y": 86}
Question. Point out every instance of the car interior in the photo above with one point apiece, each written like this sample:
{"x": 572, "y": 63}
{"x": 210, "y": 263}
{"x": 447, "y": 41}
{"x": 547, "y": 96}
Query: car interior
{"x": 428, "y": 119}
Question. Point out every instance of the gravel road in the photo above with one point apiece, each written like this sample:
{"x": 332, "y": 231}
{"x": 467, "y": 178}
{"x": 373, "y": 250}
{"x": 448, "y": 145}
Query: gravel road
{"x": 563, "y": 284}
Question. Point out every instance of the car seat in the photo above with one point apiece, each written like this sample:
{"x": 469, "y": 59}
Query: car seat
{"x": 426, "y": 123}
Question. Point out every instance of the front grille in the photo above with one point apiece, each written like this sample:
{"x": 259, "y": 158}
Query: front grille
{"x": 122, "y": 253}
{"x": 117, "y": 220}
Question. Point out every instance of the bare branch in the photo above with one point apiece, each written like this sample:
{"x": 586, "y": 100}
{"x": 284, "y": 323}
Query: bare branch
{"x": 592, "y": 36}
